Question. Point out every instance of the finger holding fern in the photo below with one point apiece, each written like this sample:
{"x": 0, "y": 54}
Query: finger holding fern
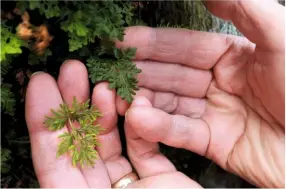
{"x": 110, "y": 149}
{"x": 74, "y": 85}
{"x": 43, "y": 95}
{"x": 88, "y": 137}
{"x": 73, "y": 82}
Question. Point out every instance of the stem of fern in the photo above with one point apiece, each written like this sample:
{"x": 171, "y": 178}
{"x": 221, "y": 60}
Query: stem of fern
{"x": 70, "y": 126}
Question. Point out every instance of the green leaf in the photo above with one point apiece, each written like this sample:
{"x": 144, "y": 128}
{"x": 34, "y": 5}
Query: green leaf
{"x": 10, "y": 43}
{"x": 58, "y": 118}
{"x": 121, "y": 73}
{"x": 5, "y": 158}
{"x": 81, "y": 30}
{"x": 66, "y": 143}
{"x": 34, "y": 4}
{"x": 7, "y": 99}
{"x": 80, "y": 141}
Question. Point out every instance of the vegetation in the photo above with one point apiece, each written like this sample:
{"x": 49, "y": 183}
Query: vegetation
{"x": 41, "y": 35}
{"x": 81, "y": 139}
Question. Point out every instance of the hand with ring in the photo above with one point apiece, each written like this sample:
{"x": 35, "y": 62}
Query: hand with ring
{"x": 111, "y": 169}
{"x": 217, "y": 95}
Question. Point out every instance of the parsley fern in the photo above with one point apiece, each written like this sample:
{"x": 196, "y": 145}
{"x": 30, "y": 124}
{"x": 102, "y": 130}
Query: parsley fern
{"x": 81, "y": 140}
{"x": 8, "y": 100}
{"x": 120, "y": 72}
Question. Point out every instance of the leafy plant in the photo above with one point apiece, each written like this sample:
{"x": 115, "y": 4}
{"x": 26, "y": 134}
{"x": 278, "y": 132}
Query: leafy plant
{"x": 83, "y": 30}
{"x": 42, "y": 34}
{"x": 120, "y": 72}
{"x": 81, "y": 138}
{"x": 5, "y": 158}
{"x": 10, "y": 43}
{"x": 8, "y": 104}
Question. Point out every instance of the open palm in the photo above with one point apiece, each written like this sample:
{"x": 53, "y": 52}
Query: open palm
{"x": 220, "y": 96}
{"x": 45, "y": 93}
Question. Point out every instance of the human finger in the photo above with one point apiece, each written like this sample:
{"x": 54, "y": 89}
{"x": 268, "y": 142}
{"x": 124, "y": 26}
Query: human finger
{"x": 179, "y": 79}
{"x": 144, "y": 155}
{"x": 110, "y": 145}
{"x": 249, "y": 17}
{"x": 169, "y": 102}
{"x": 155, "y": 125}
{"x": 42, "y": 96}
{"x": 201, "y": 50}
{"x": 73, "y": 82}
{"x": 173, "y": 78}
{"x": 121, "y": 105}
{"x": 166, "y": 180}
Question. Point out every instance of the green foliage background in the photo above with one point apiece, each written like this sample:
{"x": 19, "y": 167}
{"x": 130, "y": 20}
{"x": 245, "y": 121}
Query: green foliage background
{"x": 83, "y": 30}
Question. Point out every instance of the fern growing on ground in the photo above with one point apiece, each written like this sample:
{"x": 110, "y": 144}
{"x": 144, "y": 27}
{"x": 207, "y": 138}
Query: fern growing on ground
{"x": 10, "y": 47}
{"x": 7, "y": 99}
{"x": 88, "y": 25}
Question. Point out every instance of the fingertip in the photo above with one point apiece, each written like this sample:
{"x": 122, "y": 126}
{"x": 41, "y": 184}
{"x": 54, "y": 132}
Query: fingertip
{"x": 121, "y": 105}
{"x": 147, "y": 121}
{"x": 104, "y": 99}
{"x": 38, "y": 72}
{"x": 37, "y": 83}
{"x": 102, "y": 92}
{"x": 71, "y": 64}
{"x": 42, "y": 95}
{"x": 139, "y": 115}
{"x": 143, "y": 44}
{"x": 73, "y": 81}
{"x": 143, "y": 97}
{"x": 141, "y": 101}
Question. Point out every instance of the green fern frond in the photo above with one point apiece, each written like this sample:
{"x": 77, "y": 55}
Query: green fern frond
{"x": 10, "y": 43}
{"x": 7, "y": 99}
{"x": 106, "y": 22}
{"x": 120, "y": 72}
{"x": 5, "y": 158}
{"x": 81, "y": 140}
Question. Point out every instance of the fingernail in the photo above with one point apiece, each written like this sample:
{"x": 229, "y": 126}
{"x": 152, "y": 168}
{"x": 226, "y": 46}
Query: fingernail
{"x": 126, "y": 118}
{"x": 126, "y": 112}
{"x": 65, "y": 62}
{"x": 35, "y": 73}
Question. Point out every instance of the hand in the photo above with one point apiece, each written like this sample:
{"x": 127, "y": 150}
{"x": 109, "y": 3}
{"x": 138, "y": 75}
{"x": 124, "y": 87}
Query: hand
{"x": 217, "y": 95}
{"x": 44, "y": 93}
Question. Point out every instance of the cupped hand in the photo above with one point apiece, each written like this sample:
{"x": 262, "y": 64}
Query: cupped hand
{"x": 220, "y": 96}
{"x": 45, "y": 93}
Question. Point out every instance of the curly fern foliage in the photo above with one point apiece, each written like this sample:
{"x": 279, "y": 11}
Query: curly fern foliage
{"x": 81, "y": 140}
{"x": 10, "y": 47}
{"x": 82, "y": 28}
{"x": 48, "y": 8}
{"x": 86, "y": 23}
{"x": 10, "y": 43}
{"x": 120, "y": 72}
{"x": 5, "y": 158}
{"x": 7, "y": 99}
{"x": 6, "y": 65}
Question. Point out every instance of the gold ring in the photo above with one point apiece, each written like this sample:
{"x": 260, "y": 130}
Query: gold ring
{"x": 126, "y": 180}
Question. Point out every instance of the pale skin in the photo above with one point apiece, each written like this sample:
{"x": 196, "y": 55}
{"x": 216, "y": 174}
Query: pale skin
{"x": 217, "y": 95}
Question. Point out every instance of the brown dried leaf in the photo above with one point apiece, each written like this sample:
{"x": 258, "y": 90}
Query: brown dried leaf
{"x": 24, "y": 32}
{"x": 43, "y": 38}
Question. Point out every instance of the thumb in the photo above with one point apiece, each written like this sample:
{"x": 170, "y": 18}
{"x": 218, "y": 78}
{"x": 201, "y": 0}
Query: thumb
{"x": 262, "y": 22}
{"x": 155, "y": 125}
